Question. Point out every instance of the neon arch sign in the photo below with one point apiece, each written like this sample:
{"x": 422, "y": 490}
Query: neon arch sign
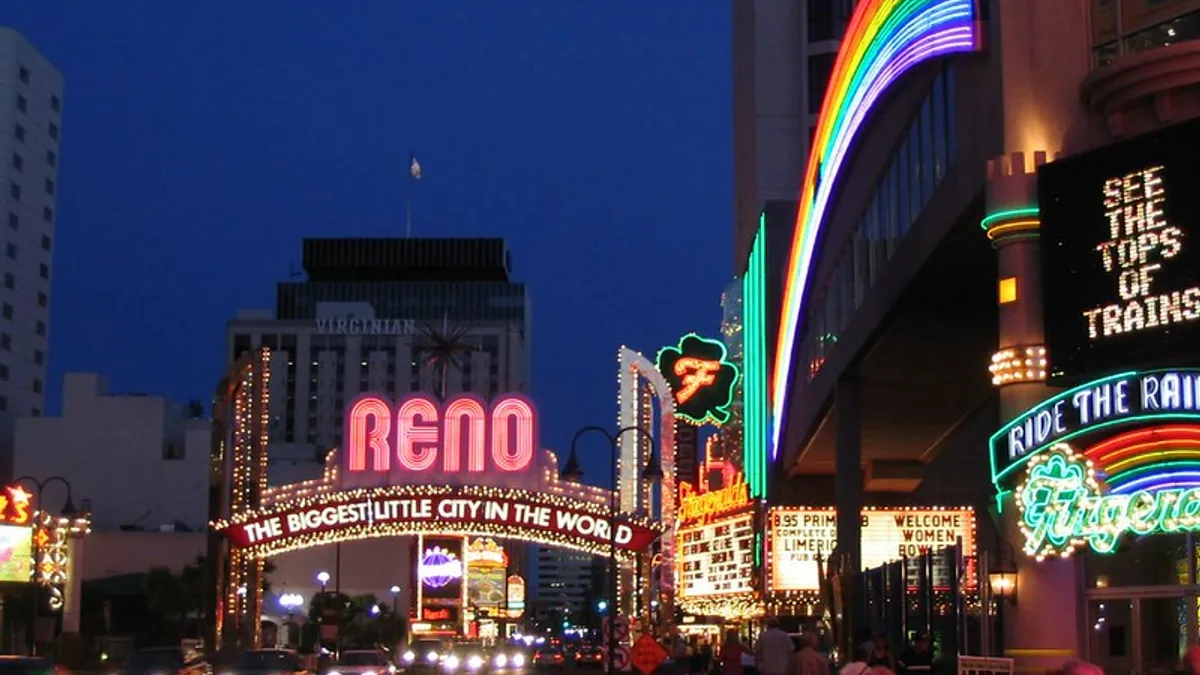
{"x": 463, "y": 434}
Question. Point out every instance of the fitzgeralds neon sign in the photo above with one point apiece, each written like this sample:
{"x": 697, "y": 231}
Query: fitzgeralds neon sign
{"x": 702, "y": 378}
{"x": 694, "y": 506}
{"x": 1162, "y": 395}
{"x": 1063, "y": 505}
{"x": 421, "y": 434}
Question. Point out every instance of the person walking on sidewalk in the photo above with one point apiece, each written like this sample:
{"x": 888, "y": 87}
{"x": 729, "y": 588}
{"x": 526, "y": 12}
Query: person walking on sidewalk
{"x": 774, "y": 650}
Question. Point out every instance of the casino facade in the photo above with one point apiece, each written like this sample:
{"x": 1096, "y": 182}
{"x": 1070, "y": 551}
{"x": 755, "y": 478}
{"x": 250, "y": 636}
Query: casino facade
{"x": 988, "y": 302}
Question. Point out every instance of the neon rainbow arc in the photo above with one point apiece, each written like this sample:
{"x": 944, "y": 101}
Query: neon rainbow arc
{"x": 1157, "y": 458}
{"x": 885, "y": 39}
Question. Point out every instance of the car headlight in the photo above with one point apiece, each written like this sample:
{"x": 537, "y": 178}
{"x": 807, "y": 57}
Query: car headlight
{"x": 365, "y": 672}
{"x": 451, "y": 662}
{"x": 334, "y": 672}
{"x": 518, "y": 660}
{"x": 475, "y": 662}
{"x": 431, "y": 657}
{"x": 501, "y": 660}
{"x": 391, "y": 668}
{"x": 409, "y": 656}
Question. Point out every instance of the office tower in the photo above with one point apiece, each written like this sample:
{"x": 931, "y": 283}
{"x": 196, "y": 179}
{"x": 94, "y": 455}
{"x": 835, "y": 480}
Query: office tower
{"x": 31, "y": 103}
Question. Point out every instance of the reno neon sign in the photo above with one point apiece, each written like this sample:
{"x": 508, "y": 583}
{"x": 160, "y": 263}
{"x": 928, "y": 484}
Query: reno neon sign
{"x": 421, "y": 434}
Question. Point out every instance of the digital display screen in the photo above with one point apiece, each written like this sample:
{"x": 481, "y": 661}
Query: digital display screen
{"x": 1121, "y": 255}
{"x": 16, "y": 553}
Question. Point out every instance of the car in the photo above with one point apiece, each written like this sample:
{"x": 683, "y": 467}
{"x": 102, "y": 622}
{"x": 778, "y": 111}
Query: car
{"x": 465, "y": 657}
{"x": 589, "y": 656}
{"x": 28, "y": 665}
{"x": 506, "y": 658}
{"x": 362, "y": 662}
{"x": 549, "y": 656}
{"x": 423, "y": 656}
{"x": 167, "y": 661}
{"x": 268, "y": 662}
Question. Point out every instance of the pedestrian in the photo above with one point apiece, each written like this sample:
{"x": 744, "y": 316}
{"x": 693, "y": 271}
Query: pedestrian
{"x": 881, "y": 654}
{"x": 859, "y": 664}
{"x": 807, "y": 660}
{"x": 917, "y": 659}
{"x": 774, "y": 650}
{"x": 731, "y": 654}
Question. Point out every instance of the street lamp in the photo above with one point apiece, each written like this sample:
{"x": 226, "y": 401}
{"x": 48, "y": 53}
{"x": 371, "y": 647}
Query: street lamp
{"x": 651, "y": 472}
{"x": 290, "y": 602}
{"x": 323, "y": 579}
{"x": 39, "y": 487}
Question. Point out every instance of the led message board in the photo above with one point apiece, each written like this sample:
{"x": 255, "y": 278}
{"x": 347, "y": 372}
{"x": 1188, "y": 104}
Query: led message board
{"x": 1140, "y": 482}
{"x": 701, "y": 377}
{"x": 516, "y": 596}
{"x": 487, "y": 565}
{"x": 1121, "y": 399}
{"x": 419, "y": 434}
{"x": 798, "y": 537}
{"x": 16, "y": 553}
{"x": 714, "y": 547}
{"x": 1121, "y": 254}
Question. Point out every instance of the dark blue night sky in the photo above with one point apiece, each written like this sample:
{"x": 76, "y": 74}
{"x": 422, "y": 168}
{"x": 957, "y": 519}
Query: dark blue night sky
{"x": 202, "y": 140}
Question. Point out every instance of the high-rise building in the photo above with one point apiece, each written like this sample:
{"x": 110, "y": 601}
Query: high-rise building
{"x": 31, "y": 104}
{"x": 373, "y": 315}
{"x": 565, "y": 588}
{"x": 783, "y": 54}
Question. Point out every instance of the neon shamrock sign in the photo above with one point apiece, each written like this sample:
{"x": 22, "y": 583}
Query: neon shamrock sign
{"x": 1064, "y": 505}
{"x": 702, "y": 378}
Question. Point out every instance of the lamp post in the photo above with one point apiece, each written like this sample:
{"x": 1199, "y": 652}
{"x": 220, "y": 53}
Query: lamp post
{"x": 323, "y": 579}
{"x": 651, "y": 472}
{"x": 395, "y": 591}
{"x": 39, "y": 487}
{"x": 290, "y": 602}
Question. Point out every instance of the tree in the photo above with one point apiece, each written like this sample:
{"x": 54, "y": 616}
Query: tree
{"x": 445, "y": 348}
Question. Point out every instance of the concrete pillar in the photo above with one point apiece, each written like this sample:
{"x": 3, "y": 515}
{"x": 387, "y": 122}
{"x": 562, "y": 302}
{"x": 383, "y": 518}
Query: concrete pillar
{"x": 1044, "y": 628}
{"x": 848, "y": 498}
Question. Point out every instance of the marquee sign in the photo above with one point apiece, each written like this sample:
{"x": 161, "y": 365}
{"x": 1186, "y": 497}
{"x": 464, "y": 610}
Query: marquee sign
{"x": 701, "y": 377}
{"x": 1131, "y": 397}
{"x": 702, "y": 506}
{"x": 1120, "y": 259}
{"x": 437, "y": 509}
{"x": 798, "y": 537}
{"x": 422, "y": 435}
{"x": 1145, "y": 481}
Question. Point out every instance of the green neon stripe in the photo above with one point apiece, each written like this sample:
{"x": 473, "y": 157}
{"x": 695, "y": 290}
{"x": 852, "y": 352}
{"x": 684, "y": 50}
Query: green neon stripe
{"x": 755, "y": 365}
{"x": 1009, "y": 214}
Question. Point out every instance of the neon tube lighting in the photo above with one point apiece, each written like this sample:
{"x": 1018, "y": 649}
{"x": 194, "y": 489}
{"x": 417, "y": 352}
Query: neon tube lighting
{"x": 885, "y": 39}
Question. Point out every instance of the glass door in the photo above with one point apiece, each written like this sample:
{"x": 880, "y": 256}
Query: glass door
{"x": 1163, "y": 625}
{"x": 1111, "y": 635}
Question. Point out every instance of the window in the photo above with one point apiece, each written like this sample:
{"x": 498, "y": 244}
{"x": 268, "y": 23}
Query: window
{"x": 53, "y": 129}
{"x": 37, "y": 386}
{"x": 10, "y": 282}
{"x": 5, "y": 341}
{"x": 19, "y": 132}
{"x": 15, "y": 191}
{"x": 45, "y": 242}
{"x": 22, "y": 104}
{"x": 4, "y": 372}
{"x": 39, "y": 357}
{"x": 36, "y": 412}
{"x": 47, "y": 214}
{"x": 23, "y": 73}
{"x": 172, "y": 451}
{"x": 3, "y": 403}
{"x": 11, "y": 251}
{"x": 51, "y": 158}
{"x": 7, "y": 310}
{"x": 18, "y": 162}
{"x": 55, "y": 103}
{"x": 44, "y": 271}
{"x": 14, "y": 221}
{"x": 927, "y": 157}
{"x": 43, "y": 299}
{"x": 951, "y": 116}
{"x": 938, "y": 104}
{"x": 49, "y": 187}
{"x": 914, "y": 186}
{"x": 41, "y": 328}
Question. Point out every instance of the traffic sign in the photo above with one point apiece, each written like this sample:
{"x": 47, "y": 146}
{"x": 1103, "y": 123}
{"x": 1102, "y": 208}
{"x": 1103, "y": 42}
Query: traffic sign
{"x": 647, "y": 654}
{"x": 621, "y": 631}
{"x": 620, "y": 658}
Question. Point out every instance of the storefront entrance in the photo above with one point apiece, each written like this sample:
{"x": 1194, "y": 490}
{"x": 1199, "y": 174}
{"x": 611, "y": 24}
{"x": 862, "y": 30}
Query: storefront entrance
{"x": 1140, "y": 631}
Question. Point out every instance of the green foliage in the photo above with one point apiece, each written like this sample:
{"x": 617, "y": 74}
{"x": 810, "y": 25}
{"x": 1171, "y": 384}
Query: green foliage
{"x": 358, "y": 624}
